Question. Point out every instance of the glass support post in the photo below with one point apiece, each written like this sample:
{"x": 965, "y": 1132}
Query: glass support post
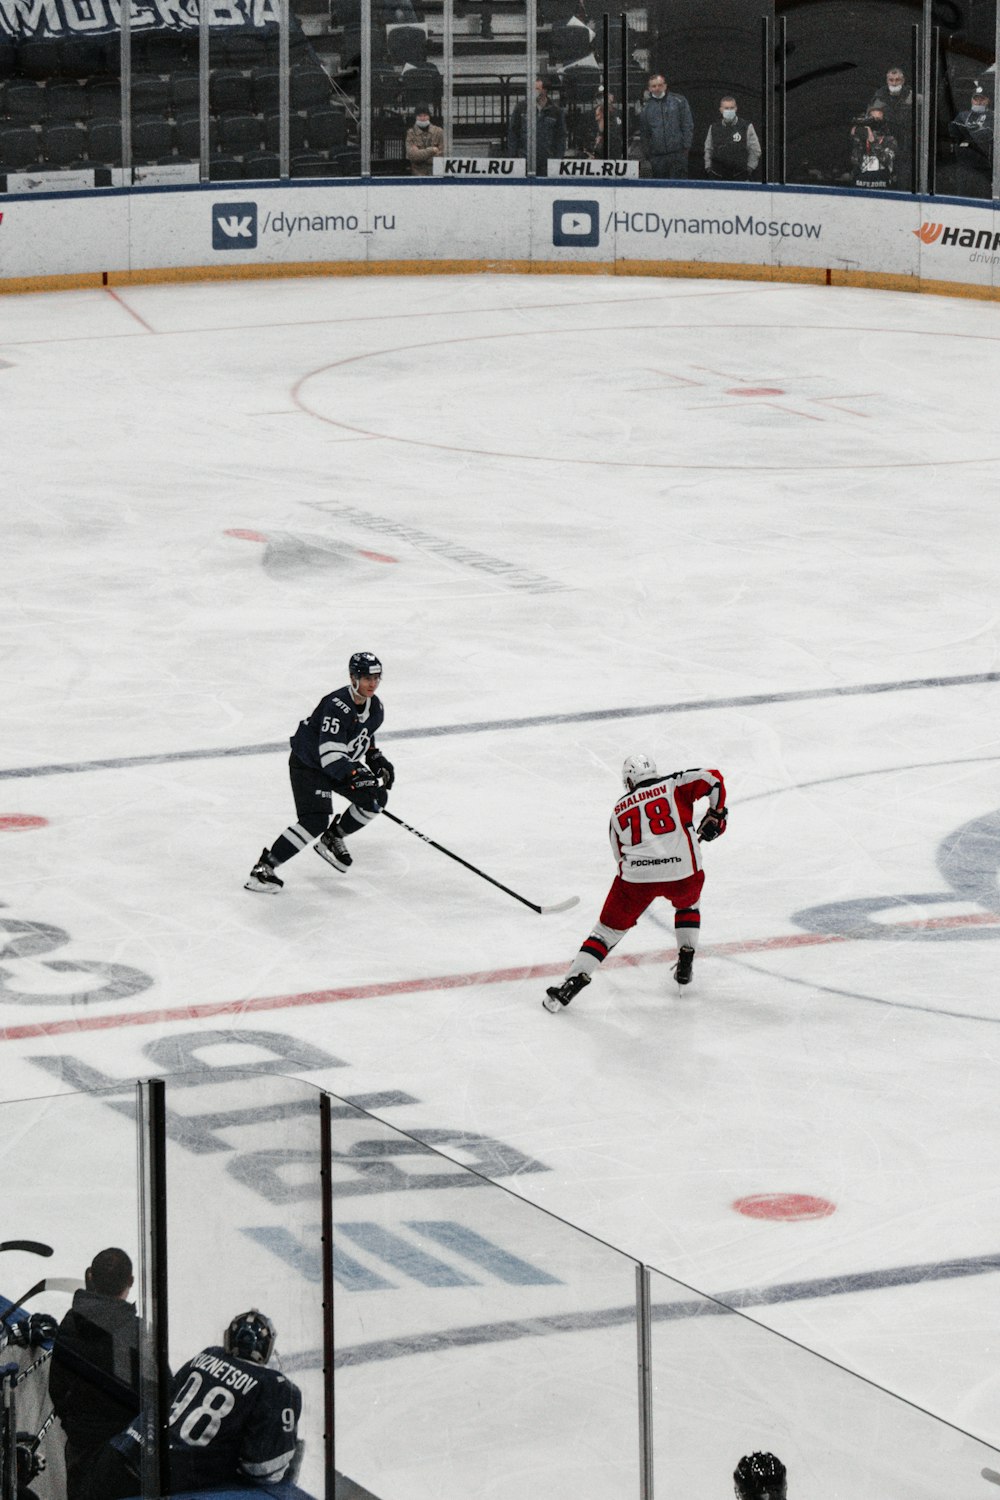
{"x": 448, "y": 45}
{"x": 204, "y": 59}
{"x": 154, "y": 1373}
{"x": 644, "y": 1350}
{"x": 284, "y": 93}
{"x": 531, "y": 68}
{"x": 366, "y": 88}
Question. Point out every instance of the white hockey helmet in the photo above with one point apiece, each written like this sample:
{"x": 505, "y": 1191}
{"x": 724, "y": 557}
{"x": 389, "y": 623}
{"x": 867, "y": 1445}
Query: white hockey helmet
{"x": 638, "y": 768}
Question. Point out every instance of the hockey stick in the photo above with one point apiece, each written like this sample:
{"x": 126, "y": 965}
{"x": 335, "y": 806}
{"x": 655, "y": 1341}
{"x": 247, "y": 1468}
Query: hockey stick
{"x": 31, "y": 1247}
{"x": 543, "y": 911}
{"x": 50, "y": 1284}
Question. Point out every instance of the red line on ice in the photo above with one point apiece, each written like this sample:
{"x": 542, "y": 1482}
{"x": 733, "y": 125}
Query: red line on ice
{"x": 450, "y": 981}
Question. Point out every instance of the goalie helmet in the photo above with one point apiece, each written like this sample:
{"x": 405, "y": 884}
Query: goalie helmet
{"x": 364, "y": 664}
{"x": 760, "y": 1476}
{"x": 638, "y": 768}
{"x": 250, "y": 1336}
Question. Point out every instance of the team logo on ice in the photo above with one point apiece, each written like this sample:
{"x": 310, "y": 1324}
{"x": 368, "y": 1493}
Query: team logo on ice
{"x": 234, "y": 226}
{"x": 576, "y": 222}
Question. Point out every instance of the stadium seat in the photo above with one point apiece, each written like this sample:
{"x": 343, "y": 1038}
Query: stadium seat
{"x": 63, "y": 145}
{"x": 225, "y": 169}
{"x": 265, "y": 85}
{"x": 18, "y": 148}
{"x": 265, "y": 165}
{"x": 239, "y": 135}
{"x": 67, "y": 101}
{"x": 39, "y": 59}
{"x": 296, "y": 132}
{"x": 228, "y": 89}
{"x": 310, "y": 164}
{"x": 309, "y": 87}
{"x": 185, "y": 91}
{"x": 152, "y": 140}
{"x": 187, "y": 136}
{"x": 326, "y": 128}
{"x": 150, "y": 94}
{"x": 104, "y": 142}
{"x": 23, "y": 101}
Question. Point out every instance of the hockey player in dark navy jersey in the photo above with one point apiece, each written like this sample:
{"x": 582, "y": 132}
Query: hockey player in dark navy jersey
{"x": 234, "y": 1419}
{"x": 333, "y": 751}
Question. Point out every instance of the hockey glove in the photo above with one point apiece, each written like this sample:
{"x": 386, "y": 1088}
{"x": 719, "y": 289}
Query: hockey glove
{"x": 713, "y": 824}
{"x": 382, "y": 767}
{"x": 365, "y": 790}
{"x": 33, "y": 1331}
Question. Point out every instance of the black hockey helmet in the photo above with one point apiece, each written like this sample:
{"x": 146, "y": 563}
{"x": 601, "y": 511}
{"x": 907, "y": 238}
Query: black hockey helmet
{"x": 250, "y": 1336}
{"x": 760, "y": 1476}
{"x": 364, "y": 664}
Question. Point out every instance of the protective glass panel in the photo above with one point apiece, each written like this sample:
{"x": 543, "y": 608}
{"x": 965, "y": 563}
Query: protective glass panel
{"x": 488, "y": 72}
{"x": 244, "y": 1216}
{"x": 60, "y": 102}
{"x": 724, "y": 1387}
{"x": 483, "y": 1347}
{"x": 849, "y": 92}
{"x": 966, "y": 87}
{"x": 69, "y": 1165}
{"x": 243, "y": 105}
{"x": 163, "y": 93}
{"x": 324, "y": 139}
{"x": 702, "y": 51}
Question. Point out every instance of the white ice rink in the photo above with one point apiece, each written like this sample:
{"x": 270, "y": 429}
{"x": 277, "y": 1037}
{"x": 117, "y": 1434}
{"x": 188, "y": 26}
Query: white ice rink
{"x": 746, "y": 526}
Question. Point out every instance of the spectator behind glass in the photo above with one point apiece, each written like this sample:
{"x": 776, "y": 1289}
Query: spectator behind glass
{"x": 972, "y": 132}
{"x": 666, "y": 130}
{"x": 593, "y": 131}
{"x": 550, "y": 128}
{"x": 424, "y": 141}
{"x": 873, "y": 152}
{"x": 760, "y": 1476}
{"x": 732, "y": 149}
{"x": 895, "y": 99}
{"x": 94, "y": 1377}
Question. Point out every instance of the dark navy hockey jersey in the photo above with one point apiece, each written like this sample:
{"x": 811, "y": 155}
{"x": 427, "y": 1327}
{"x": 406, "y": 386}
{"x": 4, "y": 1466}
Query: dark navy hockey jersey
{"x": 230, "y": 1420}
{"x": 337, "y": 733}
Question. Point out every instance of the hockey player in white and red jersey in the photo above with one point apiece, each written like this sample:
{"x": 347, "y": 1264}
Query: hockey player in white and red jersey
{"x": 656, "y": 847}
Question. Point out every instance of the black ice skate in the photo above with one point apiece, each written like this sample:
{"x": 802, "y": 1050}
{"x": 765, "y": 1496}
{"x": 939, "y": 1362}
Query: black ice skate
{"x": 263, "y": 877}
{"x": 684, "y": 965}
{"x": 332, "y": 848}
{"x": 559, "y": 995}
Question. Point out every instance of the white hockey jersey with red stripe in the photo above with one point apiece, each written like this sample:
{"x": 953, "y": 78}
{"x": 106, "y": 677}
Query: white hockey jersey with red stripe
{"x": 652, "y": 829}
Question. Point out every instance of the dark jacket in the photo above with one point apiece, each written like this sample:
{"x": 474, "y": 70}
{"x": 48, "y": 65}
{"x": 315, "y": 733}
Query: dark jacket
{"x": 550, "y": 138}
{"x": 665, "y": 125}
{"x": 974, "y": 130}
{"x": 94, "y": 1375}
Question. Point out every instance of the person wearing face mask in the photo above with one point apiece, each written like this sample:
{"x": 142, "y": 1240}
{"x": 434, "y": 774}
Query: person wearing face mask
{"x": 732, "y": 149}
{"x": 424, "y": 141}
{"x": 972, "y": 132}
{"x": 666, "y": 130}
{"x": 895, "y": 99}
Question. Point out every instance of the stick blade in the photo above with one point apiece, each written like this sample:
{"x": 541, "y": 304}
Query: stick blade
{"x": 547, "y": 911}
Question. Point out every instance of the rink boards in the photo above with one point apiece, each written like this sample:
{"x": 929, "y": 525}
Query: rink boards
{"x": 630, "y": 228}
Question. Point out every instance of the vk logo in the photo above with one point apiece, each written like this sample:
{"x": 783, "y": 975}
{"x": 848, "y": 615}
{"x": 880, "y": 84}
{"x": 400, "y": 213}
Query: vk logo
{"x": 576, "y": 221}
{"x": 234, "y": 226}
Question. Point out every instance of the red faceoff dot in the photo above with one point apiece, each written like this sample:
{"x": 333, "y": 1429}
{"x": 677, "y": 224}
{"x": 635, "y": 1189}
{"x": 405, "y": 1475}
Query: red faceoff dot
{"x": 786, "y": 1206}
{"x": 246, "y": 536}
{"x": 11, "y": 821}
{"x": 755, "y": 390}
